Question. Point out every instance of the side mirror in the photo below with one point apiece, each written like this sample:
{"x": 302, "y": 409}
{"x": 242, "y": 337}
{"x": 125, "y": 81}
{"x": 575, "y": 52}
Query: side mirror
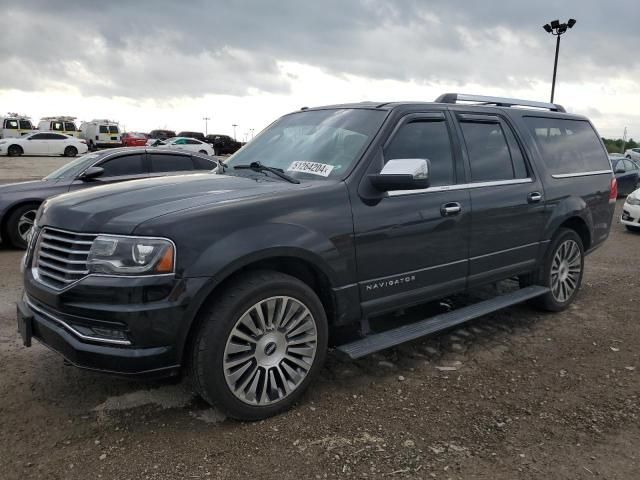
{"x": 402, "y": 174}
{"x": 91, "y": 173}
{"x": 620, "y": 170}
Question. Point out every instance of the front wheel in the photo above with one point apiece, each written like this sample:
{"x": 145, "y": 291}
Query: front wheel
{"x": 561, "y": 272}
{"x": 20, "y": 223}
{"x": 15, "y": 151}
{"x": 70, "y": 151}
{"x": 259, "y": 346}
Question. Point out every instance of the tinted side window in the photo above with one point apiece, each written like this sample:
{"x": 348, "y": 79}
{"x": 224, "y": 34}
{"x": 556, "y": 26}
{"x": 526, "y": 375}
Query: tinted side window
{"x": 12, "y": 124}
{"x": 200, "y": 163}
{"x": 127, "y": 165}
{"x": 25, "y": 125}
{"x": 169, "y": 163}
{"x": 425, "y": 139}
{"x": 567, "y": 146}
{"x": 40, "y": 136}
{"x": 104, "y": 129}
{"x": 69, "y": 126}
{"x": 192, "y": 142}
{"x": 57, "y": 126}
{"x": 488, "y": 151}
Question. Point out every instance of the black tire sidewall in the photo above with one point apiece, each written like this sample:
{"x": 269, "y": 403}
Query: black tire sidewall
{"x": 70, "y": 151}
{"x": 12, "y": 225}
{"x": 217, "y": 325}
{"x": 549, "y": 301}
{"x": 14, "y": 151}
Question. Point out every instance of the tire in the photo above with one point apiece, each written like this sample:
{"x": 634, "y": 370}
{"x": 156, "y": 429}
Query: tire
{"x": 633, "y": 229}
{"x": 237, "y": 376}
{"x": 70, "y": 151}
{"x": 204, "y": 152}
{"x": 571, "y": 267}
{"x": 15, "y": 151}
{"x": 16, "y": 227}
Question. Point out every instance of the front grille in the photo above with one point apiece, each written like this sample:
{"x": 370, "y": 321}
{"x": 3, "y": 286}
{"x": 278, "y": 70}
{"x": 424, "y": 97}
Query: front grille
{"x": 61, "y": 257}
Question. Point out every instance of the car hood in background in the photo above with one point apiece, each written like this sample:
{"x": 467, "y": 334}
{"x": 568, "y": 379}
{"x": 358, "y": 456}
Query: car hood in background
{"x": 119, "y": 208}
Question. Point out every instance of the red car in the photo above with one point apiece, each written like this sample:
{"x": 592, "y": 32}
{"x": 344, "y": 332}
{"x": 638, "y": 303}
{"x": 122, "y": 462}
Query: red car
{"x": 133, "y": 139}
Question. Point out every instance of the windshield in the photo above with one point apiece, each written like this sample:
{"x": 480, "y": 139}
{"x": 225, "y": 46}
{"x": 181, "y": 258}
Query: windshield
{"x": 314, "y": 144}
{"x": 73, "y": 168}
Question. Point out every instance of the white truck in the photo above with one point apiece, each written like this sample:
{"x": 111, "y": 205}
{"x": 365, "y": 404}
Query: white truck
{"x": 59, "y": 124}
{"x": 101, "y": 133}
{"x": 13, "y": 125}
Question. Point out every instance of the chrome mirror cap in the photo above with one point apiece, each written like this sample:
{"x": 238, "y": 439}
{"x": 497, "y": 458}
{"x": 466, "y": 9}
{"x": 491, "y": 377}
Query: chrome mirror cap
{"x": 402, "y": 174}
{"x": 418, "y": 168}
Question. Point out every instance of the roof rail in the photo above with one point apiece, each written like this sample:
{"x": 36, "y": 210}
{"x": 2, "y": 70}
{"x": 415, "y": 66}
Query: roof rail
{"x": 498, "y": 101}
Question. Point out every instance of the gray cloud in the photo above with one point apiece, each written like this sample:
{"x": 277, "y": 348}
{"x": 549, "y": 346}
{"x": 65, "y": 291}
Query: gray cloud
{"x": 164, "y": 49}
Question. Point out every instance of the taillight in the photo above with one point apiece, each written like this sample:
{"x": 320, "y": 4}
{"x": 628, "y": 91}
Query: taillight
{"x": 613, "y": 192}
{"x": 83, "y": 141}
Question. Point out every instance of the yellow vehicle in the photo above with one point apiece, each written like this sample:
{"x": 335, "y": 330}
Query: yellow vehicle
{"x": 13, "y": 125}
{"x": 65, "y": 125}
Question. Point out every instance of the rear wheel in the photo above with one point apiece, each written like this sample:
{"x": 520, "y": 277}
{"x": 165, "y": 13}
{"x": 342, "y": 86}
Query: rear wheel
{"x": 15, "y": 151}
{"x": 20, "y": 223}
{"x": 562, "y": 272}
{"x": 259, "y": 345}
{"x": 70, "y": 151}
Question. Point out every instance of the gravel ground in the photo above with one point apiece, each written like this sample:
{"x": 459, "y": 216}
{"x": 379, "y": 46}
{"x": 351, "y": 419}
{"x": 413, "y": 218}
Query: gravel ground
{"x": 517, "y": 394}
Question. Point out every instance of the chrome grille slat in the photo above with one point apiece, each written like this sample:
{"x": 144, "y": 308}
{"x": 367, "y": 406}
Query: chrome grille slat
{"x": 61, "y": 257}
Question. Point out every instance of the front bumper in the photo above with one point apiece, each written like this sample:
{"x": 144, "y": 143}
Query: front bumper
{"x": 630, "y": 215}
{"x": 121, "y": 325}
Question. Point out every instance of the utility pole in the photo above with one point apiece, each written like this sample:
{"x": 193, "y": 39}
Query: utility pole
{"x": 624, "y": 140}
{"x": 206, "y": 124}
{"x": 234, "y": 131}
{"x": 557, "y": 29}
{"x": 251, "y": 130}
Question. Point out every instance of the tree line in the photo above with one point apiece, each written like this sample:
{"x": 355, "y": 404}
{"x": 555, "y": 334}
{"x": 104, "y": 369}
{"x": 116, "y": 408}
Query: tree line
{"x": 617, "y": 145}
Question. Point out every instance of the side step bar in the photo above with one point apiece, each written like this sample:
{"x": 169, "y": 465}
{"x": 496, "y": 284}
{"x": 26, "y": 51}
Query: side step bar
{"x": 390, "y": 338}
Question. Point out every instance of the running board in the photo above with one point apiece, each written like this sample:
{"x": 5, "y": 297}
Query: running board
{"x": 390, "y": 338}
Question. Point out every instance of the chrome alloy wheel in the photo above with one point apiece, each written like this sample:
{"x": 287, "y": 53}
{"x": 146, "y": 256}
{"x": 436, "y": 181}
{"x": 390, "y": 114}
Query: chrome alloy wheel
{"x": 270, "y": 350}
{"x": 565, "y": 270}
{"x": 25, "y": 223}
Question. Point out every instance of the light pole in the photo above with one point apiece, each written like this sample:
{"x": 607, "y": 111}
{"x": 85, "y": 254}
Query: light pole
{"x": 206, "y": 124}
{"x": 234, "y": 131}
{"x": 251, "y": 130}
{"x": 557, "y": 29}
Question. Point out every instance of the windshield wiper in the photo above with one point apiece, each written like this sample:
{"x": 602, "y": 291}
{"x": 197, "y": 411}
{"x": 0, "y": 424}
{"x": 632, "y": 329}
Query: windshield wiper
{"x": 258, "y": 167}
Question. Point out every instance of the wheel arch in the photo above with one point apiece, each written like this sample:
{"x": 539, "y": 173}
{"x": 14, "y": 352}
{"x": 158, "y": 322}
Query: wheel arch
{"x": 298, "y": 264}
{"x": 12, "y": 208}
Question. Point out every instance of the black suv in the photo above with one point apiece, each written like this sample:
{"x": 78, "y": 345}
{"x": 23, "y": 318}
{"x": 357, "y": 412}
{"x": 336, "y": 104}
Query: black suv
{"x": 332, "y": 216}
{"x": 197, "y": 135}
{"x": 223, "y": 144}
{"x": 161, "y": 134}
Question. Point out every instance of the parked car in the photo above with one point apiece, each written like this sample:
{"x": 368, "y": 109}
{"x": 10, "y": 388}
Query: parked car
{"x": 101, "y": 134}
{"x": 60, "y": 124}
{"x": 223, "y": 144}
{"x": 133, "y": 139}
{"x": 627, "y": 173}
{"x": 190, "y": 144}
{"x": 632, "y": 153}
{"x": 20, "y": 201}
{"x": 630, "y": 217}
{"x": 43, "y": 143}
{"x": 331, "y": 217}
{"x": 13, "y": 126}
{"x": 197, "y": 135}
{"x": 161, "y": 134}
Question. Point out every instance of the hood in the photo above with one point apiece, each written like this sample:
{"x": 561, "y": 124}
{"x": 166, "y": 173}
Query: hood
{"x": 120, "y": 207}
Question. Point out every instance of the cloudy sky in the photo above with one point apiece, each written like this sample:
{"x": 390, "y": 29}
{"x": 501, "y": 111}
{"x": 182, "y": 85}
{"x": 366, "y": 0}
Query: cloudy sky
{"x": 154, "y": 64}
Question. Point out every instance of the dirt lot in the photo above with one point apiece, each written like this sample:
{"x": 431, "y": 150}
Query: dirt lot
{"x": 517, "y": 394}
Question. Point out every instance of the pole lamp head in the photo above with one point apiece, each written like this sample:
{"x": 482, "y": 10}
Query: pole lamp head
{"x": 571, "y": 22}
{"x": 555, "y": 24}
{"x": 547, "y": 28}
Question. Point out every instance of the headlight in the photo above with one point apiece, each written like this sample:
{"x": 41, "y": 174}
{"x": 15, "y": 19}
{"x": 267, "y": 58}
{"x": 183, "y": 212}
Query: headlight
{"x": 115, "y": 255}
{"x": 631, "y": 200}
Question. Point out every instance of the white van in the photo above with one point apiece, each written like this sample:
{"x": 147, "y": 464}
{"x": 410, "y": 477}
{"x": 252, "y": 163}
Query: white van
{"x": 13, "y": 125}
{"x": 64, "y": 125}
{"x": 101, "y": 134}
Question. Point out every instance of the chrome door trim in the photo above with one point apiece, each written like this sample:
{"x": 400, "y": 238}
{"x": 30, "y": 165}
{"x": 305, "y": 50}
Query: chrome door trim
{"x": 582, "y": 174}
{"x": 461, "y": 186}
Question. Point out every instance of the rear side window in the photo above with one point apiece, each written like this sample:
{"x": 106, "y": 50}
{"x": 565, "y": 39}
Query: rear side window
{"x": 11, "y": 124}
{"x": 127, "y": 165}
{"x": 169, "y": 163}
{"x": 200, "y": 163}
{"x": 427, "y": 139}
{"x": 493, "y": 151}
{"x": 568, "y": 146}
{"x": 57, "y": 126}
{"x": 69, "y": 126}
{"x": 26, "y": 125}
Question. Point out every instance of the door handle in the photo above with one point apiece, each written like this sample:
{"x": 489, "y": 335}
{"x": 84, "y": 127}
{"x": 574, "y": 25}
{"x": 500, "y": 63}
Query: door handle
{"x": 450, "y": 209}
{"x": 534, "y": 197}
